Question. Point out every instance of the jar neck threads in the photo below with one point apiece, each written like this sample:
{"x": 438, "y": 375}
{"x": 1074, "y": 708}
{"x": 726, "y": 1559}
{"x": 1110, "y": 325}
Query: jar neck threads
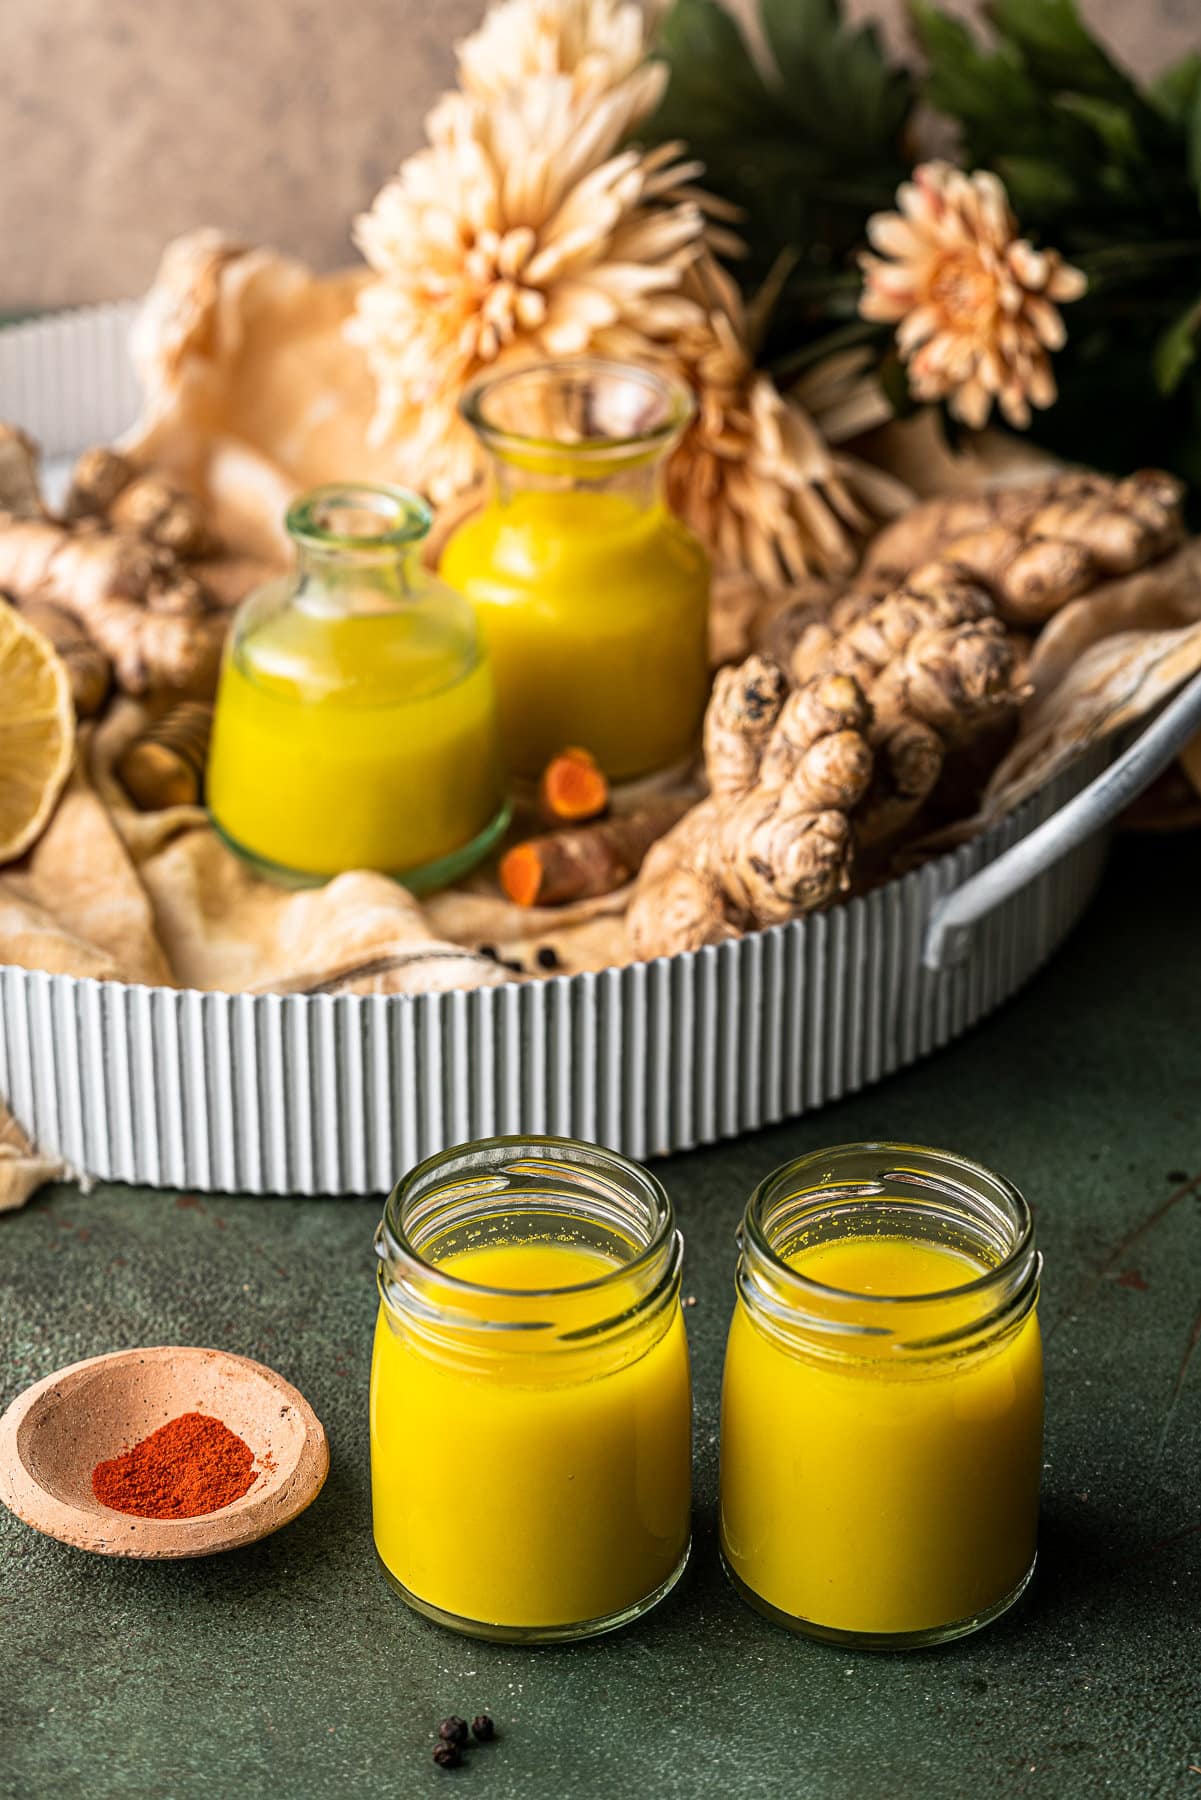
{"x": 533, "y": 1191}
{"x": 887, "y": 1191}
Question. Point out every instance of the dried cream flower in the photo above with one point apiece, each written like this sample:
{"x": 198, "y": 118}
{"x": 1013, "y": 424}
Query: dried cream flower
{"x": 973, "y": 302}
{"x": 599, "y": 44}
{"x": 754, "y": 475}
{"x": 522, "y": 231}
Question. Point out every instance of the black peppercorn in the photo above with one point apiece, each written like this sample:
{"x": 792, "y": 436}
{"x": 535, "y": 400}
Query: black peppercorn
{"x": 447, "y": 1756}
{"x": 548, "y": 957}
{"x": 483, "y": 1728}
{"x": 453, "y": 1730}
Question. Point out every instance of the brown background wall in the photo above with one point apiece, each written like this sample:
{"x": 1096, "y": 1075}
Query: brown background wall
{"x": 123, "y": 122}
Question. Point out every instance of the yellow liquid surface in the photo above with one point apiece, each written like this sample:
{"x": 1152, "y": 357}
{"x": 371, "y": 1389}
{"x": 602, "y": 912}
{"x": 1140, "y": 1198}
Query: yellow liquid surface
{"x": 595, "y": 611}
{"x": 531, "y": 1489}
{"x": 359, "y": 741}
{"x": 879, "y": 1493}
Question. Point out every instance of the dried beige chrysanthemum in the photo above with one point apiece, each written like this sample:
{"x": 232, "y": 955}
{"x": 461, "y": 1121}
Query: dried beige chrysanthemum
{"x": 524, "y": 230}
{"x": 974, "y": 304}
{"x": 600, "y": 44}
{"x": 755, "y": 475}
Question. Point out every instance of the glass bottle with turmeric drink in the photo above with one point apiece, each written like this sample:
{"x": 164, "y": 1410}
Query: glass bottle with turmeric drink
{"x": 355, "y": 725}
{"x": 593, "y": 599}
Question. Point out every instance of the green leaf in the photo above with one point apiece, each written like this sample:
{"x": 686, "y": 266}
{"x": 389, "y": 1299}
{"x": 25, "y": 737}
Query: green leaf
{"x": 1193, "y": 127}
{"x": 1057, "y": 48}
{"x": 1176, "y": 88}
{"x": 807, "y": 145}
{"x": 791, "y": 28}
{"x": 1176, "y": 350}
{"x": 975, "y": 86}
{"x": 1037, "y": 189}
{"x": 715, "y": 89}
{"x": 835, "y": 82}
{"x": 1110, "y": 122}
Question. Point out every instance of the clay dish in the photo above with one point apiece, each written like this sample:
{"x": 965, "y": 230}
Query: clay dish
{"x": 54, "y": 1434}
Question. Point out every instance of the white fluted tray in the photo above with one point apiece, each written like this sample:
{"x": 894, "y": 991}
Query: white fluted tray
{"x": 339, "y": 1094}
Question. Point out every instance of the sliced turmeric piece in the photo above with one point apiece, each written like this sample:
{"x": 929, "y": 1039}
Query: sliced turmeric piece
{"x": 573, "y": 787}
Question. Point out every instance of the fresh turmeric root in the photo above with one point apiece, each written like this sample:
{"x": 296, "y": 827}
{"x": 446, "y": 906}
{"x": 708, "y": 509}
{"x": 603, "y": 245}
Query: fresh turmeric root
{"x": 774, "y": 838}
{"x": 584, "y": 861}
{"x": 165, "y": 764}
{"x": 573, "y": 788}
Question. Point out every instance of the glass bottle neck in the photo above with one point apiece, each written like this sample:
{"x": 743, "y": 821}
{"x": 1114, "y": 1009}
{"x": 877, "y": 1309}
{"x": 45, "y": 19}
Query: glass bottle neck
{"x": 637, "y": 480}
{"x": 342, "y": 583}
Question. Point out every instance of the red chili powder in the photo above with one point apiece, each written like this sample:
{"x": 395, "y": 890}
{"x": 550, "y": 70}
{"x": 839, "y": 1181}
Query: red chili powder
{"x": 191, "y": 1465}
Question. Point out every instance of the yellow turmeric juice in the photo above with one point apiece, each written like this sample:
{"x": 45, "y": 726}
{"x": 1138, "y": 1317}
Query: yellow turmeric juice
{"x": 592, "y": 598}
{"x": 355, "y": 723}
{"x": 881, "y": 1479}
{"x": 595, "y": 611}
{"x": 525, "y": 1487}
{"x": 353, "y": 742}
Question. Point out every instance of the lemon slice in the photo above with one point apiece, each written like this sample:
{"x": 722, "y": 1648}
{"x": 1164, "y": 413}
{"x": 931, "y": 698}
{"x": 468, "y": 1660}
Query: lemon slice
{"x": 37, "y": 732}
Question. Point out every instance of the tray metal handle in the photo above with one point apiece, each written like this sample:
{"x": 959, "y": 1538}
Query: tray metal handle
{"x": 951, "y": 930}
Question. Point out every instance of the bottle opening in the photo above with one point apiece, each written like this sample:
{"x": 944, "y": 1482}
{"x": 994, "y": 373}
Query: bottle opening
{"x": 603, "y": 412}
{"x": 889, "y": 1241}
{"x": 360, "y": 516}
{"x": 534, "y": 1235}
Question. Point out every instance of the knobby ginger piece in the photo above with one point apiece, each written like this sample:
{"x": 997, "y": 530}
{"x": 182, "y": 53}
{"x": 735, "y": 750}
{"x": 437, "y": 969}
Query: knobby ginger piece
{"x": 105, "y": 581}
{"x": 1037, "y": 547}
{"x": 775, "y": 838}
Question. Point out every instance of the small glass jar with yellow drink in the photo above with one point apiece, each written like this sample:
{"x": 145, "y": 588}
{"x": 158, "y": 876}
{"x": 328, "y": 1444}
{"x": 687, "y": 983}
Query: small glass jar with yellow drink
{"x": 355, "y": 724}
{"x": 882, "y": 1409}
{"x": 593, "y": 598}
{"x": 530, "y": 1391}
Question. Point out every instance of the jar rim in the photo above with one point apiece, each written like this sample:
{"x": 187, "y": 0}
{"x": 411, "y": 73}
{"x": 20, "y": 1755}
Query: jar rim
{"x": 404, "y": 516}
{"x": 1018, "y": 1253}
{"x": 677, "y": 398}
{"x": 392, "y": 1239}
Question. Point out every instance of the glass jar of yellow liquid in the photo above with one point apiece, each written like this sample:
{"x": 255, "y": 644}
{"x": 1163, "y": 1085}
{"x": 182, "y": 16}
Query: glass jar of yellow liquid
{"x": 355, "y": 724}
{"x": 530, "y": 1396}
{"x": 593, "y": 598}
{"x": 882, "y": 1410}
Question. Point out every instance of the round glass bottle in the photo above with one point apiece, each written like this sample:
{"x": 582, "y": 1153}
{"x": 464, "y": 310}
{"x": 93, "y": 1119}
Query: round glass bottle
{"x": 882, "y": 1408}
{"x": 530, "y": 1394}
{"x": 593, "y": 598}
{"x": 355, "y": 723}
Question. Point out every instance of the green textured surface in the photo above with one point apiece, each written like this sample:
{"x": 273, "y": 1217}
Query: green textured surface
{"x": 290, "y": 1669}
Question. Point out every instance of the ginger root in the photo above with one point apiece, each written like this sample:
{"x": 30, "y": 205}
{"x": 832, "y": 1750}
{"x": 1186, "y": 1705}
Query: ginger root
{"x": 1037, "y": 547}
{"x": 774, "y": 838}
{"x": 107, "y": 485}
{"x": 128, "y": 593}
{"x": 937, "y": 667}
